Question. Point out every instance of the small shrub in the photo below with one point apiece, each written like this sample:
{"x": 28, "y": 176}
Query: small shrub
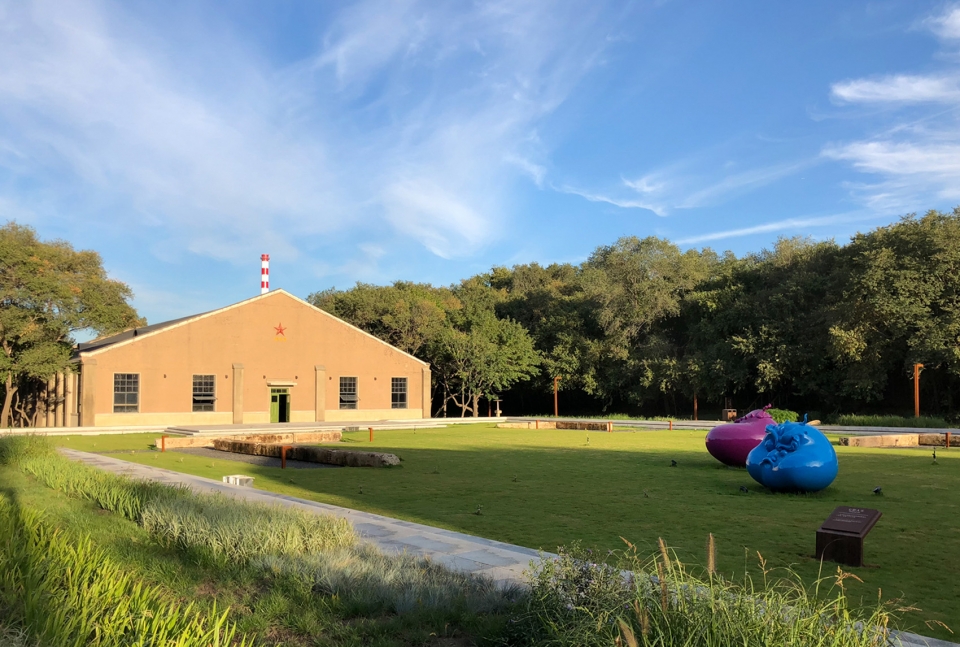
{"x": 783, "y": 415}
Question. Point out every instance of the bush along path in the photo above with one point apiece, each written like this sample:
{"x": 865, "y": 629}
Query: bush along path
{"x": 572, "y": 598}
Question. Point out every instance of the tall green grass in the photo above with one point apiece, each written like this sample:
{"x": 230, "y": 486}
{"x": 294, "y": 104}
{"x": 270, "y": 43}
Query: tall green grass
{"x": 925, "y": 422}
{"x": 214, "y": 526}
{"x": 576, "y": 601}
{"x": 67, "y": 593}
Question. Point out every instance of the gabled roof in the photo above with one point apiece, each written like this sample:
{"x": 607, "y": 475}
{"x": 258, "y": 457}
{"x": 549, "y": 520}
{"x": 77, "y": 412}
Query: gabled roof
{"x": 96, "y": 344}
{"x": 136, "y": 334}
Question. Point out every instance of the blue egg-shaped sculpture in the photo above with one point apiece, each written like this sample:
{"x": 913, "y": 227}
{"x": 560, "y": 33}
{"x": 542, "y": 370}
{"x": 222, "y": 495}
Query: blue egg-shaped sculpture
{"x": 793, "y": 457}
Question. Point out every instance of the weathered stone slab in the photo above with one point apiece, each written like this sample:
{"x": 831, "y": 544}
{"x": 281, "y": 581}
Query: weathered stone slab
{"x": 543, "y": 424}
{"x": 346, "y": 458}
{"x": 940, "y": 439}
{"x": 885, "y": 440}
{"x": 289, "y": 438}
{"x": 583, "y": 426}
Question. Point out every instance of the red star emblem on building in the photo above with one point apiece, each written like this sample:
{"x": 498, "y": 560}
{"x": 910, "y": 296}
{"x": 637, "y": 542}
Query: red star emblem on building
{"x": 280, "y": 330}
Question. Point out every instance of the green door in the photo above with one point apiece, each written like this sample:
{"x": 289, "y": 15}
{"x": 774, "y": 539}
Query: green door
{"x": 279, "y": 405}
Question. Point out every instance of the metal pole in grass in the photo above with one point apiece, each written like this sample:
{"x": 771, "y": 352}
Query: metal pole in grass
{"x": 671, "y": 425}
{"x": 556, "y": 410}
{"x": 163, "y": 444}
{"x": 283, "y": 456}
{"x": 916, "y": 389}
{"x": 371, "y": 434}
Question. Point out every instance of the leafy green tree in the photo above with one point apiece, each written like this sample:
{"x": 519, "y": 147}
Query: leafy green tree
{"x": 407, "y": 315}
{"x": 549, "y": 302}
{"x": 635, "y": 291}
{"x": 482, "y": 354}
{"x": 760, "y": 326}
{"x": 48, "y": 291}
{"x": 901, "y": 305}
{"x": 472, "y": 352}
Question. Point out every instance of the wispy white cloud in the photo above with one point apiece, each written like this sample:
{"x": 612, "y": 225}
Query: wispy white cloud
{"x": 623, "y": 203}
{"x": 791, "y": 224}
{"x": 917, "y": 153}
{"x": 947, "y": 24}
{"x": 688, "y": 185}
{"x": 899, "y": 88}
{"x": 408, "y": 116}
{"x": 739, "y": 183}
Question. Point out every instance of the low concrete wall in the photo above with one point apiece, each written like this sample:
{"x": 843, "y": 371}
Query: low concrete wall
{"x": 179, "y": 442}
{"x": 309, "y": 454}
{"x": 888, "y": 440}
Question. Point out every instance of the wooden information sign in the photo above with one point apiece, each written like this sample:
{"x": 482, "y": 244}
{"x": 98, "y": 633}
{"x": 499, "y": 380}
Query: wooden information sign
{"x": 840, "y": 537}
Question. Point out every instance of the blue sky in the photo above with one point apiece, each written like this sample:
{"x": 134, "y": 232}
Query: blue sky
{"x": 397, "y": 139}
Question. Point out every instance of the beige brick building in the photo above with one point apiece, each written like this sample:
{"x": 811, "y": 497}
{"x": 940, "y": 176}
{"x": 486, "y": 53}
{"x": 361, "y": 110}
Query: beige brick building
{"x": 272, "y": 358}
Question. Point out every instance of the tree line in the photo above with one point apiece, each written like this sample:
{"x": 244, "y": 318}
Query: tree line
{"x": 643, "y": 326}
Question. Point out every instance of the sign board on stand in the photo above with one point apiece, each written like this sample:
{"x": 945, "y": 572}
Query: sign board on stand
{"x": 840, "y": 537}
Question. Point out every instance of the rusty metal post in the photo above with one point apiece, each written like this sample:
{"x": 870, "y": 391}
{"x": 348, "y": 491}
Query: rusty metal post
{"x": 610, "y": 426}
{"x": 537, "y": 425}
{"x": 947, "y": 440}
{"x": 695, "y": 406}
{"x": 371, "y": 434}
{"x": 916, "y": 389}
{"x": 556, "y": 409}
{"x": 283, "y": 456}
{"x": 671, "y": 425}
{"x": 163, "y": 444}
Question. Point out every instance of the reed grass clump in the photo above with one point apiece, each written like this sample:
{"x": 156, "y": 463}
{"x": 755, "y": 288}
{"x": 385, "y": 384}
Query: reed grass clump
{"x": 60, "y": 592}
{"x": 232, "y": 531}
{"x": 577, "y": 601}
{"x": 214, "y": 526}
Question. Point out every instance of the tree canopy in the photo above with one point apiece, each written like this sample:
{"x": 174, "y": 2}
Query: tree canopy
{"x": 48, "y": 291}
{"x": 644, "y": 325}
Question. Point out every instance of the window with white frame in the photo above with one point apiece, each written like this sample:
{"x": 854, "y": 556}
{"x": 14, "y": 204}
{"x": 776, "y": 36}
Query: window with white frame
{"x": 348, "y": 393}
{"x": 398, "y": 393}
{"x": 204, "y": 392}
{"x": 126, "y": 392}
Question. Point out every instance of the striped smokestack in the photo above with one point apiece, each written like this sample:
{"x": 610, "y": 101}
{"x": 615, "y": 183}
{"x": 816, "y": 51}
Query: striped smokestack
{"x": 264, "y": 273}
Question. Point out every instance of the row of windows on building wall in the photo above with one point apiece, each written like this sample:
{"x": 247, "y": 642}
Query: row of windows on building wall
{"x": 126, "y": 392}
{"x": 349, "y": 396}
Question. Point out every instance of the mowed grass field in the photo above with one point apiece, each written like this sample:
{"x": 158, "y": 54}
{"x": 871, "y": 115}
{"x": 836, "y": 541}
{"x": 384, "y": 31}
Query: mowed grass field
{"x": 547, "y": 488}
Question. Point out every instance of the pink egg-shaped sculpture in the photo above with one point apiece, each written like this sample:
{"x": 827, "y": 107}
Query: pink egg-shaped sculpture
{"x": 730, "y": 443}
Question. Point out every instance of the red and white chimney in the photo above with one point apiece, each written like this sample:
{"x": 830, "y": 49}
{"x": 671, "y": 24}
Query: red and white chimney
{"x": 264, "y": 273}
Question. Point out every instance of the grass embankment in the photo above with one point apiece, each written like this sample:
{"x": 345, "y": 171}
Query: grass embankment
{"x": 299, "y": 579}
{"x": 549, "y": 488}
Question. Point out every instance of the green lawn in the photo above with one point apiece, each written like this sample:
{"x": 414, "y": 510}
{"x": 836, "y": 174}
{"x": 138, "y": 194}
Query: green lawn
{"x": 547, "y": 488}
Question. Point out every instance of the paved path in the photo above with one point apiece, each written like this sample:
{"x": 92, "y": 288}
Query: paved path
{"x": 505, "y": 563}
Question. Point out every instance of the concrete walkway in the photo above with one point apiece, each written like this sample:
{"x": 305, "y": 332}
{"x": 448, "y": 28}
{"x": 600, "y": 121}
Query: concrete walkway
{"x": 504, "y": 563}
